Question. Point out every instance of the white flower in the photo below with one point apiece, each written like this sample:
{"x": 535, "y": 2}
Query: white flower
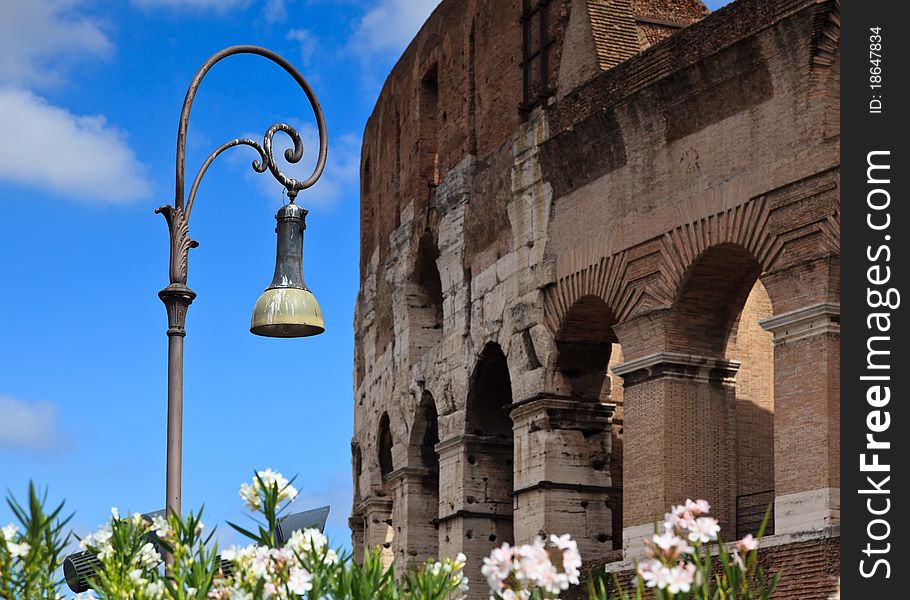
{"x": 19, "y": 550}
{"x": 679, "y": 578}
{"x": 240, "y": 595}
{"x": 703, "y": 529}
{"x": 300, "y": 581}
{"x": 10, "y": 532}
{"x": 115, "y": 514}
{"x": 160, "y": 526}
{"x": 649, "y": 571}
{"x": 251, "y": 493}
{"x": 155, "y": 589}
{"x": 672, "y": 545}
{"x": 148, "y": 556}
{"x": 498, "y": 565}
{"x": 136, "y": 576}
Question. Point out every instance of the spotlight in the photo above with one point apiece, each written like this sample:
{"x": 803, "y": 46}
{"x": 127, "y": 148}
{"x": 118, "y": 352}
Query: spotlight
{"x": 80, "y": 566}
{"x": 309, "y": 519}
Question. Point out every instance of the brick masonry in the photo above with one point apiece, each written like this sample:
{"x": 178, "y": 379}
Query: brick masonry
{"x": 580, "y": 306}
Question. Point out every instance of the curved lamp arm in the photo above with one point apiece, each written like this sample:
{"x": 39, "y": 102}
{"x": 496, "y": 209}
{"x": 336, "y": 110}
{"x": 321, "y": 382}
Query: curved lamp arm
{"x": 178, "y": 214}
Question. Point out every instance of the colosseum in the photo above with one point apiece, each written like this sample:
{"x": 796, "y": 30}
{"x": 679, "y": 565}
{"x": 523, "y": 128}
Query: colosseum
{"x": 600, "y": 274}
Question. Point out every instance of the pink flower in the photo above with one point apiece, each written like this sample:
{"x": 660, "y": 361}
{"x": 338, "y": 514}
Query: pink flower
{"x": 698, "y": 508}
{"x": 498, "y": 565}
{"x": 703, "y": 530}
{"x": 671, "y": 546}
{"x": 747, "y": 544}
{"x": 680, "y": 578}
{"x": 650, "y": 572}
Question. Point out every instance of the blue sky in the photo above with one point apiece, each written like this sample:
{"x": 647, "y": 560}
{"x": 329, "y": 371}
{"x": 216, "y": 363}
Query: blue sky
{"x": 89, "y": 99}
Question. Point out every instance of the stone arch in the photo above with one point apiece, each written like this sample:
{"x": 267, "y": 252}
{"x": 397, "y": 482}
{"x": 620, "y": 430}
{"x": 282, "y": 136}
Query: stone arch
{"x": 425, "y": 435}
{"x": 710, "y": 298}
{"x": 715, "y": 320}
{"x": 490, "y": 395}
{"x": 384, "y": 443}
{"x": 424, "y": 297}
{"x": 417, "y": 488}
{"x": 587, "y": 349}
{"x": 744, "y": 226}
{"x": 488, "y": 449}
{"x": 584, "y": 344}
{"x": 356, "y": 468}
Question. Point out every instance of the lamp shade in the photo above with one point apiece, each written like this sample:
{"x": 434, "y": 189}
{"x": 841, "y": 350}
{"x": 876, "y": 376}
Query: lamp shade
{"x": 287, "y": 308}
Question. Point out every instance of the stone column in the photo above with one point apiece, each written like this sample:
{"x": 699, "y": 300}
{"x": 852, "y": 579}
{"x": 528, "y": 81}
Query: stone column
{"x": 475, "y": 503}
{"x": 677, "y": 439}
{"x": 806, "y": 417}
{"x": 357, "y": 527}
{"x": 378, "y": 529}
{"x": 415, "y": 509}
{"x": 562, "y": 477}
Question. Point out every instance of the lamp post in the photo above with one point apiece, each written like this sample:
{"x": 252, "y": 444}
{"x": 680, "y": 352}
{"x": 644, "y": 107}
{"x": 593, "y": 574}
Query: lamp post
{"x": 287, "y": 308}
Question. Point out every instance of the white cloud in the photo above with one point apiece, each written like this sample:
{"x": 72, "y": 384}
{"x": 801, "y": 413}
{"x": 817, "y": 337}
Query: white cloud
{"x": 340, "y": 179}
{"x": 217, "y": 5}
{"x": 390, "y": 25}
{"x": 307, "y": 42}
{"x": 38, "y": 36}
{"x": 76, "y": 156}
{"x": 273, "y": 11}
{"x": 29, "y": 425}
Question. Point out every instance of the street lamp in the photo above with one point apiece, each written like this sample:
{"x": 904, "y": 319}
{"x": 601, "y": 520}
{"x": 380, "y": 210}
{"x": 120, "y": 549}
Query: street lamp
{"x": 287, "y": 308}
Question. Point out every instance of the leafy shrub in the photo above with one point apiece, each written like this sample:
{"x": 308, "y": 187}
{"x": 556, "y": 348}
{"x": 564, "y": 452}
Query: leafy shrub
{"x": 683, "y": 560}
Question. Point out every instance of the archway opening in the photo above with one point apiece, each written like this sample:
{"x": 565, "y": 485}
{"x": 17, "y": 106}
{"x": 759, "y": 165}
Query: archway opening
{"x": 588, "y": 348}
{"x": 489, "y": 449}
{"x": 490, "y": 396}
{"x": 422, "y": 498}
{"x": 717, "y": 315}
{"x": 384, "y": 444}
{"x": 424, "y": 297}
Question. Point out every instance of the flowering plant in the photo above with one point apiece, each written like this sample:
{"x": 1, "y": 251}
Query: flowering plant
{"x": 32, "y": 551}
{"x": 541, "y": 569}
{"x": 684, "y": 560}
{"x": 680, "y": 564}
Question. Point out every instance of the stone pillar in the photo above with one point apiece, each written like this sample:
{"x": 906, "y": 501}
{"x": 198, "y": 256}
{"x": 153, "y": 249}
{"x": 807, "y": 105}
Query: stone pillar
{"x": 678, "y": 433}
{"x": 357, "y": 527}
{"x": 562, "y": 476}
{"x": 415, "y": 509}
{"x": 475, "y": 503}
{"x": 806, "y": 417}
{"x": 378, "y": 529}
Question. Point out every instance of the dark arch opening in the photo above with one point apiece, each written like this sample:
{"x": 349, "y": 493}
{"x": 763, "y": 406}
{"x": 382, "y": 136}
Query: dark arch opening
{"x": 713, "y": 293}
{"x": 423, "y": 501}
{"x": 489, "y": 447}
{"x": 587, "y": 349}
{"x": 717, "y": 314}
{"x": 490, "y": 395}
{"x": 585, "y": 342}
{"x": 428, "y": 420}
{"x": 425, "y": 297}
{"x": 385, "y": 446}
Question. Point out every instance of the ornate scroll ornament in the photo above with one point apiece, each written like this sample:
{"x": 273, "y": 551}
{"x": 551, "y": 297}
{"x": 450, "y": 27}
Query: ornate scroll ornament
{"x": 178, "y": 214}
{"x": 179, "y": 229}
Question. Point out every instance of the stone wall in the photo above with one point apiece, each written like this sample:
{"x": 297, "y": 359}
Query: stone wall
{"x": 615, "y": 299}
